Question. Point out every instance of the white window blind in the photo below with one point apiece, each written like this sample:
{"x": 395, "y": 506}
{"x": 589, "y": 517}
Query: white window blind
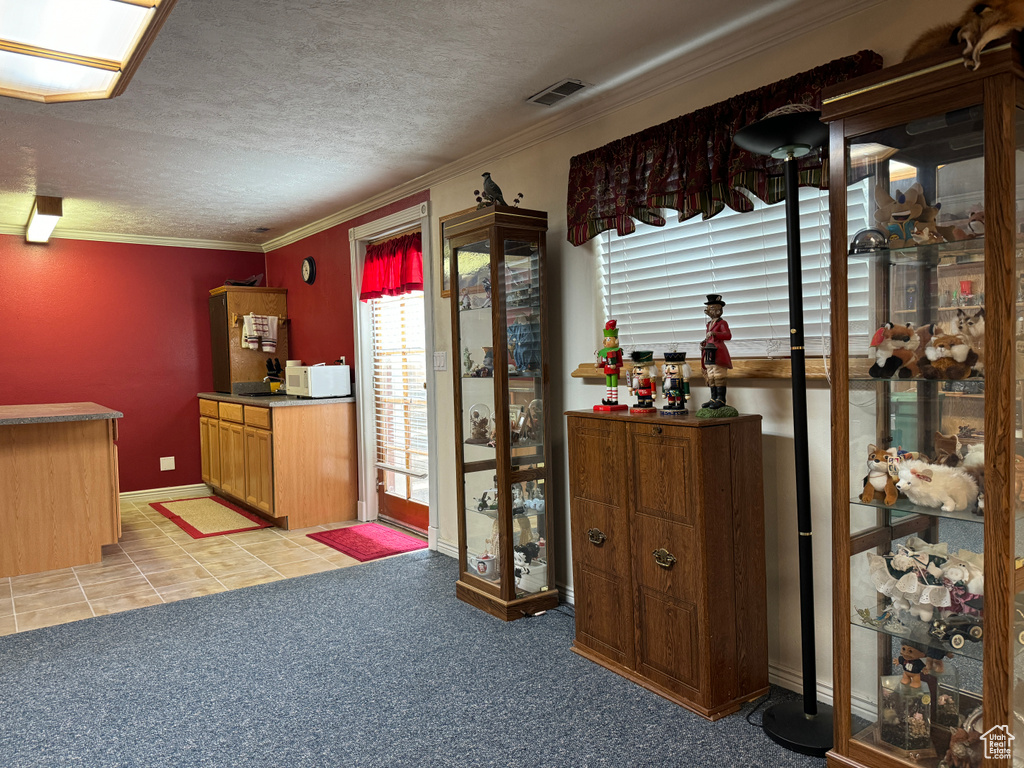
{"x": 399, "y": 373}
{"x": 656, "y": 280}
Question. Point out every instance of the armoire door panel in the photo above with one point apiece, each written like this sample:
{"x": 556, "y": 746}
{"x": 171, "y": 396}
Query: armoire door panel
{"x": 667, "y": 641}
{"x": 664, "y": 480}
{"x": 604, "y": 614}
{"x": 597, "y": 461}
{"x": 667, "y": 558}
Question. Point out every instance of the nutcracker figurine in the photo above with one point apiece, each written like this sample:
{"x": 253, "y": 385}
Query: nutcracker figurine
{"x": 610, "y": 358}
{"x": 675, "y": 383}
{"x": 714, "y": 360}
{"x": 642, "y": 382}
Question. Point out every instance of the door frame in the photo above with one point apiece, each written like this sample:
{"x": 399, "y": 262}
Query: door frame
{"x": 359, "y": 237}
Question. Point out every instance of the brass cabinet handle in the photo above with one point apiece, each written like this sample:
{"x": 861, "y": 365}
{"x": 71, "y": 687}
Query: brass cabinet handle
{"x": 663, "y": 557}
{"x": 596, "y": 537}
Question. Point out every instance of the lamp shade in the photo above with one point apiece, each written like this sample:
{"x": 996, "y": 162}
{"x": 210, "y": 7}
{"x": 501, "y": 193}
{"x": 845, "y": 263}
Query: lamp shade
{"x": 787, "y": 131}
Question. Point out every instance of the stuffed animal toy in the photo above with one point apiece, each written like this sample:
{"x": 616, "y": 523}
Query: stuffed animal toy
{"x": 948, "y": 357}
{"x": 947, "y": 450}
{"x": 976, "y": 223}
{"x": 894, "y": 347}
{"x": 878, "y": 483}
{"x": 897, "y": 215}
{"x": 924, "y": 334}
{"x": 950, "y": 489}
{"x": 972, "y": 329}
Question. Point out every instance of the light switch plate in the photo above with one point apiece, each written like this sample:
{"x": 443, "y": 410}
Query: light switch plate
{"x": 440, "y": 361}
{"x": 166, "y": 463}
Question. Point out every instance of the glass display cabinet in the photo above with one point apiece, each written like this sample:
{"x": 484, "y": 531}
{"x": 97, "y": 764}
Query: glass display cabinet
{"x": 928, "y": 469}
{"x": 503, "y": 456}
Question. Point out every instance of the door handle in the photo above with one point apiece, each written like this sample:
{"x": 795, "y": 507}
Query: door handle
{"x": 664, "y": 558}
{"x": 597, "y": 538}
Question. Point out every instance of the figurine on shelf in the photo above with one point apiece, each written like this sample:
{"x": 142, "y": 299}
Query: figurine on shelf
{"x": 879, "y": 483}
{"x": 533, "y": 425}
{"x": 898, "y": 215}
{"x": 467, "y": 362}
{"x": 479, "y": 424}
{"x": 641, "y": 382}
{"x": 465, "y": 301}
{"x": 911, "y": 658}
{"x": 715, "y": 361}
{"x": 675, "y": 383}
{"x": 610, "y": 359}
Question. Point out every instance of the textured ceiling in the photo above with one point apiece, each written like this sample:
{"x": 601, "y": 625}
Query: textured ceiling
{"x": 279, "y": 113}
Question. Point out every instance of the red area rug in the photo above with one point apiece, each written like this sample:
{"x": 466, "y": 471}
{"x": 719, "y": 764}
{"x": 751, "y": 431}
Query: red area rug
{"x": 368, "y": 541}
{"x": 209, "y": 516}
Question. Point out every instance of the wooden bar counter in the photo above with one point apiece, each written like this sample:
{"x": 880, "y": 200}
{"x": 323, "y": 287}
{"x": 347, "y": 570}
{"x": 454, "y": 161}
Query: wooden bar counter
{"x": 58, "y": 486}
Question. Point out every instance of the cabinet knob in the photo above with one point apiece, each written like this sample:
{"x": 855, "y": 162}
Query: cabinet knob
{"x": 656, "y": 430}
{"x": 664, "y": 558}
{"x": 597, "y": 538}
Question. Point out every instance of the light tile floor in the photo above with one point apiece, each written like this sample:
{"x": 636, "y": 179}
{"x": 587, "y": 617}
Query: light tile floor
{"x": 157, "y": 562}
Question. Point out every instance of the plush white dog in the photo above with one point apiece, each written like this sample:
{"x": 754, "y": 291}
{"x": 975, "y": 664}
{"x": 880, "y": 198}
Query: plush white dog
{"x": 950, "y": 489}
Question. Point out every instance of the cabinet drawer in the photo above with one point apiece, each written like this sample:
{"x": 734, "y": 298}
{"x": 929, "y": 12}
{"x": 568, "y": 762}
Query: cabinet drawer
{"x": 208, "y": 408}
{"x": 681, "y": 577}
{"x": 600, "y": 537}
{"x": 257, "y": 417}
{"x": 231, "y": 412}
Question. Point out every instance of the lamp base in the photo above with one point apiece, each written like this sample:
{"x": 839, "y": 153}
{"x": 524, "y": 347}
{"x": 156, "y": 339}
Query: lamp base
{"x": 787, "y": 725}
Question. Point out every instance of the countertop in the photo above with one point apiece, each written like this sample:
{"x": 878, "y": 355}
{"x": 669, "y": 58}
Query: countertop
{"x": 274, "y": 401}
{"x": 55, "y": 412}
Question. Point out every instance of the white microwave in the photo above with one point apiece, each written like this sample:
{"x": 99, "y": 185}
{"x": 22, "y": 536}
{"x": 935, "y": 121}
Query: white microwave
{"x": 318, "y": 380}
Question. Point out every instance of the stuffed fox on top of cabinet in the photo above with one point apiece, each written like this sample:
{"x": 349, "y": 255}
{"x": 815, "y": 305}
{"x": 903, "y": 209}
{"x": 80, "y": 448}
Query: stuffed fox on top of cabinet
{"x": 668, "y": 554}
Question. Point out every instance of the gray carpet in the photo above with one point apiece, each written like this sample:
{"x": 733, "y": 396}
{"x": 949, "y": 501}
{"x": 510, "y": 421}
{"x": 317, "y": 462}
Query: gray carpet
{"x": 375, "y": 665}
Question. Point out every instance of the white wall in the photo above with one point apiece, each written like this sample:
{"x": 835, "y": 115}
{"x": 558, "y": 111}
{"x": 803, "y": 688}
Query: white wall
{"x": 541, "y": 173}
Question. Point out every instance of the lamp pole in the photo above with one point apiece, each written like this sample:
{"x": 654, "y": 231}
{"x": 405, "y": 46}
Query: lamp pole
{"x": 787, "y": 134}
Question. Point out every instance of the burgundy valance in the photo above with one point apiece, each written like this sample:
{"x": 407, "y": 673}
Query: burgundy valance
{"x": 691, "y": 165}
{"x": 393, "y": 267}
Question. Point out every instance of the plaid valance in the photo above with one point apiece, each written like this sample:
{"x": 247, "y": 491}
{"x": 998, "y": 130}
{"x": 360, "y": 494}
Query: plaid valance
{"x": 691, "y": 165}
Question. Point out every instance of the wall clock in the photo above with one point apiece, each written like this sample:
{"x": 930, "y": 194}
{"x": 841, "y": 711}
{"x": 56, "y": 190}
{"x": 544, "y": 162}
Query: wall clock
{"x": 309, "y": 269}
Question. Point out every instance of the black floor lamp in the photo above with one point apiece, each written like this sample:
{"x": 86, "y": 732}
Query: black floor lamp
{"x": 787, "y": 134}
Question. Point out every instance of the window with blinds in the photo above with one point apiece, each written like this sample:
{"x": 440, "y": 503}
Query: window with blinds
{"x": 656, "y": 280}
{"x": 399, "y": 373}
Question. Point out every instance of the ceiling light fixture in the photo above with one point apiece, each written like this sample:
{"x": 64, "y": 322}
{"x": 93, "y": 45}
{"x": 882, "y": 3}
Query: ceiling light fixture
{"x": 46, "y": 212}
{"x": 75, "y": 50}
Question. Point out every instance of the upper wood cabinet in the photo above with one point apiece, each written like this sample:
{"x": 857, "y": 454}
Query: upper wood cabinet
{"x": 231, "y": 361}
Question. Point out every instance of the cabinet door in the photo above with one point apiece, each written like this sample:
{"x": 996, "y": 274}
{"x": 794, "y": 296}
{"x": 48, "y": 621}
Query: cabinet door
{"x": 259, "y": 469}
{"x": 232, "y": 458}
{"x": 204, "y": 447}
{"x": 213, "y": 438}
{"x": 600, "y": 538}
{"x": 667, "y": 558}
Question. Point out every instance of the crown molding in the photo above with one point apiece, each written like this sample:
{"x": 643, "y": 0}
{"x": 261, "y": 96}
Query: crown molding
{"x": 109, "y": 237}
{"x": 712, "y": 55}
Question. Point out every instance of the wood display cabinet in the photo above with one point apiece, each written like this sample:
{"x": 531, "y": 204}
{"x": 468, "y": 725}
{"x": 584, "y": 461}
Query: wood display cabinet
{"x": 668, "y": 554}
{"x": 503, "y": 456}
{"x": 928, "y": 664}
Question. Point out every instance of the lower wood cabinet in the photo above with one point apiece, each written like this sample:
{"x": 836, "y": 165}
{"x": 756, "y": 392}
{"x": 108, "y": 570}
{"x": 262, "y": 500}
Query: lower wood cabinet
{"x": 295, "y": 463}
{"x": 667, "y": 526}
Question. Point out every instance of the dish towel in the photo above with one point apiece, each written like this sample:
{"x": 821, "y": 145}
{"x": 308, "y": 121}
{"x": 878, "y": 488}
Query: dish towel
{"x": 250, "y": 337}
{"x": 270, "y": 333}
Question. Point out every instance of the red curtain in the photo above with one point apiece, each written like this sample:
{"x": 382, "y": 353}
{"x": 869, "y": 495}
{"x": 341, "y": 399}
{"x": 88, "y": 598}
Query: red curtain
{"x": 393, "y": 267}
{"x": 691, "y": 164}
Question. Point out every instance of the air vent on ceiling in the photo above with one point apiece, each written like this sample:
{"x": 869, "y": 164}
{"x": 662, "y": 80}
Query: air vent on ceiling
{"x": 555, "y": 93}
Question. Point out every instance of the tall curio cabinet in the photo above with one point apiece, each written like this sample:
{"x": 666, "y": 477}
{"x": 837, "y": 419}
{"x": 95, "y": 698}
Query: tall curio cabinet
{"x": 503, "y": 451}
{"x": 927, "y": 333}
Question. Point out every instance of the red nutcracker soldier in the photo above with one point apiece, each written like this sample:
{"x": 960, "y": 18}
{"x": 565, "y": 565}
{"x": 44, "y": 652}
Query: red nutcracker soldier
{"x": 610, "y": 359}
{"x": 642, "y": 383}
{"x": 675, "y": 383}
{"x": 714, "y": 360}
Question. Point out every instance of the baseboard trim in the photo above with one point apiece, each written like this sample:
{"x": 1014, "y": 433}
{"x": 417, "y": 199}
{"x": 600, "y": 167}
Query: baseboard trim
{"x": 174, "y": 491}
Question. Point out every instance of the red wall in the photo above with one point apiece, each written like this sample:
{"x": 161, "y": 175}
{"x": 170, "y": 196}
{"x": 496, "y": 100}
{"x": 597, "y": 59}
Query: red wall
{"x": 321, "y": 326}
{"x": 125, "y": 326}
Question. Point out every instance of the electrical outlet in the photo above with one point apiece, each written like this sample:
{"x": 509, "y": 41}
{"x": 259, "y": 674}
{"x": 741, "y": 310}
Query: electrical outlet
{"x": 166, "y": 463}
{"x": 341, "y": 359}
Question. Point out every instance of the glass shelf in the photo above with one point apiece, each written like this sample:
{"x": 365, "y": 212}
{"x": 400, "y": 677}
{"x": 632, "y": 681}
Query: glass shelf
{"x": 903, "y": 509}
{"x": 935, "y": 254}
{"x": 918, "y": 632}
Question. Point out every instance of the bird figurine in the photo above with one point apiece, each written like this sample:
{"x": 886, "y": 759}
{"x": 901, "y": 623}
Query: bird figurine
{"x": 492, "y": 190}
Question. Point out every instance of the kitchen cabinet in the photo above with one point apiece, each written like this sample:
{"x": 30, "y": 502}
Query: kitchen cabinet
{"x": 667, "y": 526}
{"x": 231, "y": 361}
{"x": 290, "y": 460}
{"x": 59, "y": 485}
